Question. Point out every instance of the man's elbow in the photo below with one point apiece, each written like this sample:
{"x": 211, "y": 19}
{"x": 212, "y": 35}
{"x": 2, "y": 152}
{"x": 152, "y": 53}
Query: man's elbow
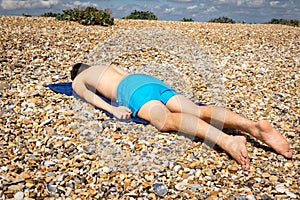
{"x": 79, "y": 89}
{"x": 88, "y": 96}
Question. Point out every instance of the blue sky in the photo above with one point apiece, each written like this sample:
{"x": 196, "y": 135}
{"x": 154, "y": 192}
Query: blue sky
{"x": 254, "y": 11}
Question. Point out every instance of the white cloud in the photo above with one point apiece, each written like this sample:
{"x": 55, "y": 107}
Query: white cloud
{"x": 80, "y": 4}
{"x": 201, "y": 5}
{"x": 120, "y": 8}
{"x": 250, "y": 3}
{"x": 255, "y": 3}
{"x": 27, "y": 4}
{"x": 211, "y": 9}
{"x": 182, "y": 1}
{"x": 239, "y": 2}
{"x": 169, "y": 10}
{"x": 192, "y": 7}
{"x": 228, "y": 1}
{"x": 278, "y": 4}
{"x": 145, "y": 6}
{"x": 274, "y": 3}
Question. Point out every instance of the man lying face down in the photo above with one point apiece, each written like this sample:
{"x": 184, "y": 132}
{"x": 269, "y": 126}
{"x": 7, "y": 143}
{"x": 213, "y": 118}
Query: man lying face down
{"x": 151, "y": 99}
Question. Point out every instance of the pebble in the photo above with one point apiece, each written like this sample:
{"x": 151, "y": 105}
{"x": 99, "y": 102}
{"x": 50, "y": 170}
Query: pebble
{"x": 57, "y": 146}
{"x": 265, "y": 175}
{"x": 233, "y": 168}
{"x": 177, "y": 168}
{"x": 19, "y": 196}
{"x": 280, "y": 188}
{"x": 159, "y": 189}
{"x": 106, "y": 169}
{"x": 152, "y": 196}
{"x": 273, "y": 179}
{"x": 195, "y": 164}
{"x": 195, "y": 186}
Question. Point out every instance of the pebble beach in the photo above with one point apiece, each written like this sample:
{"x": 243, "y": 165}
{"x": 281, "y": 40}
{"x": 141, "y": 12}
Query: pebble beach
{"x": 54, "y": 146}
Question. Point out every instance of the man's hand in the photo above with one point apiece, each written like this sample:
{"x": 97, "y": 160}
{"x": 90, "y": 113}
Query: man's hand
{"x": 122, "y": 112}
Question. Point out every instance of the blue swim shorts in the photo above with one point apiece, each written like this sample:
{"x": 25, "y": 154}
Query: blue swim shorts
{"x": 137, "y": 89}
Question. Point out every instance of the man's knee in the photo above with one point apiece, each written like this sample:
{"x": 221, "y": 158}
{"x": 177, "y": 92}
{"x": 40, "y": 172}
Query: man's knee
{"x": 167, "y": 124}
{"x": 205, "y": 112}
{"x": 158, "y": 115}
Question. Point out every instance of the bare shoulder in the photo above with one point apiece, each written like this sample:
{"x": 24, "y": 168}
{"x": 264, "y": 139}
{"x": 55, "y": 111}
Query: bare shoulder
{"x": 78, "y": 83}
{"x": 90, "y": 73}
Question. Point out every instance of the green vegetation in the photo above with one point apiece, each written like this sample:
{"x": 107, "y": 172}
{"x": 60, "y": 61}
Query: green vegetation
{"x": 290, "y": 22}
{"x": 93, "y": 16}
{"x": 141, "y": 15}
{"x": 26, "y": 15}
{"x": 87, "y": 16}
{"x": 222, "y": 20}
{"x": 187, "y": 19}
{"x": 49, "y": 14}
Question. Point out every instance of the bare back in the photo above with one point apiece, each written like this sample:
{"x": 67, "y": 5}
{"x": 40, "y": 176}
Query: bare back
{"x": 105, "y": 79}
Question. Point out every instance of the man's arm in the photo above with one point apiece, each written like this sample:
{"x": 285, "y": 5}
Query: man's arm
{"x": 81, "y": 89}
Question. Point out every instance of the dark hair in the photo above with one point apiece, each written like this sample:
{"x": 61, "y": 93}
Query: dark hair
{"x": 77, "y": 69}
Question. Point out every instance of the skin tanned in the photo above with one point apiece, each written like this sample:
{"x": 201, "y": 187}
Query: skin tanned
{"x": 173, "y": 111}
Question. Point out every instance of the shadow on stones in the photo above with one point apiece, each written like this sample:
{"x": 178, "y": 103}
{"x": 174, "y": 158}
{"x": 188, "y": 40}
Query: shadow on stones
{"x": 228, "y": 131}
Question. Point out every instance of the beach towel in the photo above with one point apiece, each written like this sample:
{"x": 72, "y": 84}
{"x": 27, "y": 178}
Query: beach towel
{"x": 66, "y": 88}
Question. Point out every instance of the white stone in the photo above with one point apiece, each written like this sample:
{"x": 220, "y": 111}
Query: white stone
{"x": 19, "y": 196}
{"x": 177, "y": 168}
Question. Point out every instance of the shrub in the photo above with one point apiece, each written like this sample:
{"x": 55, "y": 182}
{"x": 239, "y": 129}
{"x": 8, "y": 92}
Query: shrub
{"x": 49, "y": 14}
{"x": 290, "y": 22}
{"x": 141, "y": 15}
{"x": 26, "y": 15}
{"x": 187, "y": 19}
{"x": 87, "y": 16}
{"x": 222, "y": 20}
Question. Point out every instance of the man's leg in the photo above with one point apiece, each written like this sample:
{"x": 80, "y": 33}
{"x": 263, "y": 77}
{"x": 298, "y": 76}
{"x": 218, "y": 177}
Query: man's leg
{"x": 221, "y": 117}
{"x": 161, "y": 117}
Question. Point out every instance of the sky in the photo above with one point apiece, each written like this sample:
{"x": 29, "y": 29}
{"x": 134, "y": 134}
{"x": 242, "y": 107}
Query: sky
{"x": 250, "y": 11}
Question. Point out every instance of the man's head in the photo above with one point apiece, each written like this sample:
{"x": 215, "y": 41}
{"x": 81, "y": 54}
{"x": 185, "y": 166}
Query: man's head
{"x": 77, "y": 69}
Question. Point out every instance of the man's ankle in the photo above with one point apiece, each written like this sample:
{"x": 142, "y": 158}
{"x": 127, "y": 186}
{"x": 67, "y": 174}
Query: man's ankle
{"x": 224, "y": 141}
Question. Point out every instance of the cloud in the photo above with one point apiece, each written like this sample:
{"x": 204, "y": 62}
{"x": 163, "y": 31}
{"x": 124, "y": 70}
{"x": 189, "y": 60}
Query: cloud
{"x": 169, "y": 10}
{"x": 255, "y": 3}
{"x": 201, "y": 5}
{"x": 274, "y": 3}
{"x": 157, "y": 7}
{"x": 248, "y": 3}
{"x": 27, "y": 4}
{"x": 121, "y": 8}
{"x": 182, "y": 1}
{"x": 192, "y": 7}
{"x": 80, "y": 4}
{"x": 211, "y": 9}
{"x": 278, "y": 4}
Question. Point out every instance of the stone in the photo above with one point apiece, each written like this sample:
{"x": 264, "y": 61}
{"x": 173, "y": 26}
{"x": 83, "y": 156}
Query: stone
{"x": 177, "y": 168}
{"x": 159, "y": 189}
{"x": 194, "y": 164}
{"x": 233, "y": 168}
{"x": 19, "y": 196}
{"x": 181, "y": 186}
{"x": 58, "y": 145}
{"x": 280, "y": 188}
{"x": 265, "y": 175}
{"x": 152, "y": 196}
{"x": 106, "y": 169}
{"x": 273, "y": 179}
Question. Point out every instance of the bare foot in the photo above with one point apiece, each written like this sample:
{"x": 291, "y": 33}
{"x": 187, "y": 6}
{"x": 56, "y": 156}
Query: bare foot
{"x": 267, "y": 134}
{"x": 237, "y": 149}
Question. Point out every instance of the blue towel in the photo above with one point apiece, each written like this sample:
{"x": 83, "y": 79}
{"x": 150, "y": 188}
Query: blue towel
{"x": 66, "y": 88}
